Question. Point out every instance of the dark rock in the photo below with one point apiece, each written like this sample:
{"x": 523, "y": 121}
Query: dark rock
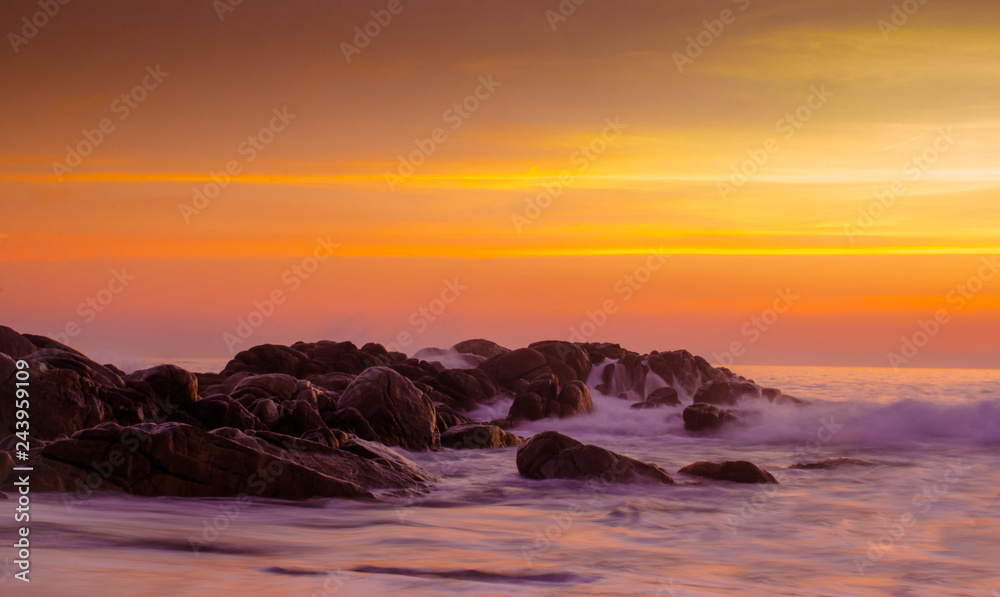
{"x": 739, "y": 471}
{"x": 468, "y": 388}
{"x": 660, "y": 397}
{"x": 351, "y": 421}
{"x": 480, "y": 347}
{"x": 41, "y": 342}
{"x": 574, "y": 399}
{"x": 6, "y": 467}
{"x": 397, "y": 411}
{"x": 681, "y": 368}
{"x": 477, "y": 435}
{"x": 336, "y": 382}
{"x": 267, "y": 358}
{"x": 219, "y": 411}
{"x": 832, "y": 463}
{"x": 279, "y": 385}
{"x": 552, "y": 455}
{"x": 569, "y": 361}
{"x": 171, "y": 384}
{"x": 344, "y": 357}
{"x": 298, "y": 417}
{"x": 448, "y": 418}
{"x": 527, "y": 406}
{"x": 727, "y": 392}
{"x": 14, "y": 345}
{"x": 180, "y": 460}
{"x": 509, "y": 368}
{"x": 702, "y": 417}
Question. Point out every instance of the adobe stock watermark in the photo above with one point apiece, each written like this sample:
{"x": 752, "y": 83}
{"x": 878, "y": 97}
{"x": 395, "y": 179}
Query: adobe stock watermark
{"x": 625, "y": 289}
{"x": 249, "y": 149}
{"x": 291, "y": 280}
{"x": 422, "y": 318}
{"x": 31, "y": 26}
{"x": 713, "y": 30}
{"x": 365, "y": 34}
{"x": 896, "y": 529}
{"x": 787, "y": 126}
{"x": 224, "y": 7}
{"x": 122, "y": 106}
{"x": 913, "y": 170}
{"x": 89, "y": 308}
{"x": 563, "y": 12}
{"x": 958, "y": 298}
{"x": 900, "y": 16}
{"x": 756, "y": 326}
{"x": 581, "y": 159}
{"x": 455, "y": 116}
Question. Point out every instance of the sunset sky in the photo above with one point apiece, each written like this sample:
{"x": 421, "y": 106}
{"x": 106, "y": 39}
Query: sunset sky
{"x": 630, "y": 133}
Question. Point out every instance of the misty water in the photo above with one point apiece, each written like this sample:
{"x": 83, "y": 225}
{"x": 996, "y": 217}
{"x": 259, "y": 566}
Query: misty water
{"x": 925, "y": 520}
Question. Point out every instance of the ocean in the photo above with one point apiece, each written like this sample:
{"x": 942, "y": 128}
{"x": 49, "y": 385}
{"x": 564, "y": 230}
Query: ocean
{"x": 922, "y": 520}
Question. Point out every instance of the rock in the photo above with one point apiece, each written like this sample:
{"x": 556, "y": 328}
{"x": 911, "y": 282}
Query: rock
{"x": 219, "y": 411}
{"x": 552, "y": 455}
{"x": 628, "y": 376}
{"x": 681, "y": 368}
{"x": 398, "y": 412}
{"x": 661, "y": 397}
{"x": 279, "y": 385}
{"x": 480, "y": 347}
{"x": 267, "y": 358}
{"x": 14, "y": 345}
{"x": 448, "y": 418}
{"x": 336, "y": 382}
{"x": 739, "y": 471}
{"x": 569, "y": 361}
{"x": 179, "y": 460}
{"x": 832, "y": 463}
{"x": 727, "y": 392}
{"x": 776, "y": 396}
{"x": 477, "y": 435}
{"x": 702, "y": 417}
{"x": 6, "y": 466}
{"x": 298, "y": 417}
{"x": 343, "y": 357}
{"x": 172, "y": 385}
{"x": 574, "y": 399}
{"x": 468, "y": 388}
{"x": 349, "y": 420}
{"x": 63, "y": 399}
{"x": 512, "y": 368}
{"x": 42, "y": 342}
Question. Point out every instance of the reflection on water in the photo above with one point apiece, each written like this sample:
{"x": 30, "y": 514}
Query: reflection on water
{"x": 924, "y": 521}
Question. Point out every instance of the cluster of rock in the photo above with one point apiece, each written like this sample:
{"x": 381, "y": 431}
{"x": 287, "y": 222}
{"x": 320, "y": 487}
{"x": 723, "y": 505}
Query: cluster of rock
{"x": 326, "y": 416}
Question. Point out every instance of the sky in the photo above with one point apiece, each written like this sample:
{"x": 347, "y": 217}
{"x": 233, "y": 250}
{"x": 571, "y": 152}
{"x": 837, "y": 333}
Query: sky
{"x": 191, "y": 178}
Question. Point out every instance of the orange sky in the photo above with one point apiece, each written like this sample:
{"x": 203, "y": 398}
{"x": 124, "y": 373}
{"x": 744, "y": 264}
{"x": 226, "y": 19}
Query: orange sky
{"x": 836, "y": 109}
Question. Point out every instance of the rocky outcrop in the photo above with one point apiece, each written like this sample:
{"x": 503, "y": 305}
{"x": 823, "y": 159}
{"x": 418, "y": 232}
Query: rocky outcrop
{"x": 680, "y": 368}
{"x": 705, "y": 417}
{"x": 172, "y": 459}
{"x": 552, "y": 455}
{"x": 727, "y": 392}
{"x": 568, "y": 361}
{"x": 171, "y": 384}
{"x": 478, "y": 436}
{"x": 513, "y": 369}
{"x": 739, "y": 471}
{"x": 398, "y": 412}
{"x": 480, "y": 347}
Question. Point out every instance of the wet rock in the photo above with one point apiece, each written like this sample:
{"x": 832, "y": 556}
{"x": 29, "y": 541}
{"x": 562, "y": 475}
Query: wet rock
{"x": 219, "y": 411}
{"x": 349, "y": 420}
{"x": 527, "y": 406}
{"x": 477, "y": 435}
{"x": 703, "y": 417}
{"x": 832, "y": 463}
{"x": 574, "y": 399}
{"x": 467, "y": 388}
{"x": 398, "y": 412}
{"x": 739, "y": 471}
{"x": 552, "y": 455}
{"x": 267, "y": 358}
{"x": 568, "y": 361}
{"x": 343, "y": 357}
{"x": 279, "y": 385}
{"x": 681, "y": 368}
{"x": 727, "y": 392}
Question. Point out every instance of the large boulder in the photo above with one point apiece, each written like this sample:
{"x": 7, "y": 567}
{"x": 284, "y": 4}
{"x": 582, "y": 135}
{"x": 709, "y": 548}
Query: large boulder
{"x": 552, "y": 455}
{"x": 267, "y": 358}
{"x": 727, "y": 392}
{"x": 172, "y": 385}
{"x": 627, "y": 376}
{"x": 680, "y": 368}
{"x": 568, "y": 361}
{"x": 179, "y": 460}
{"x": 398, "y": 412}
{"x": 739, "y": 471}
{"x": 477, "y": 435}
{"x": 705, "y": 417}
{"x": 14, "y": 345}
{"x": 480, "y": 347}
{"x": 467, "y": 388}
{"x": 512, "y": 369}
{"x": 343, "y": 357}
{"x": 280, "y": 386}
